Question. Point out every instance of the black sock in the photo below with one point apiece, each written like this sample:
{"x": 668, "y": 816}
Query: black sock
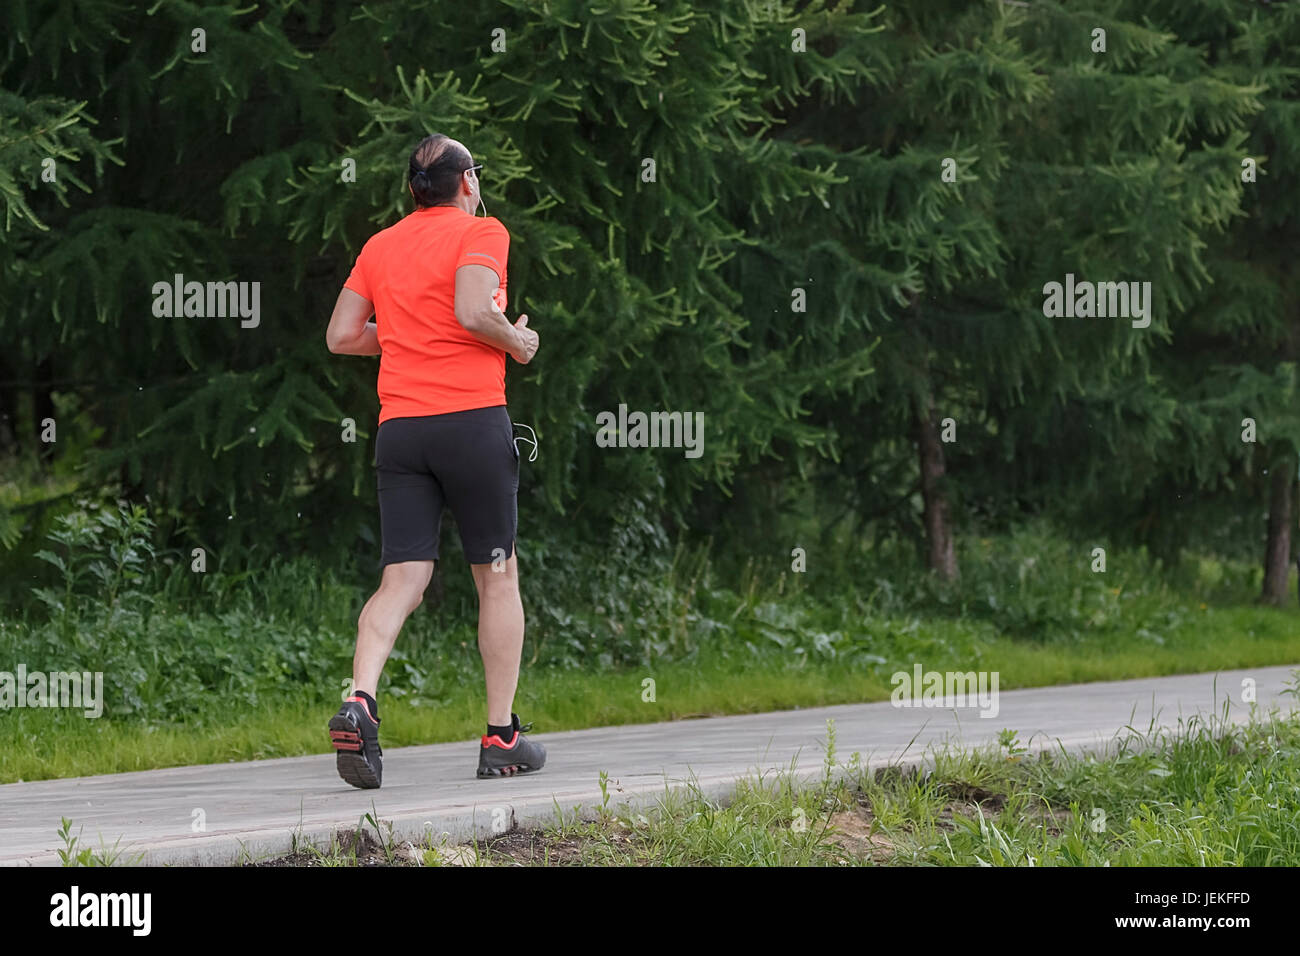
{"x": 370, "y": 702}
{"x": 506, "y": 733}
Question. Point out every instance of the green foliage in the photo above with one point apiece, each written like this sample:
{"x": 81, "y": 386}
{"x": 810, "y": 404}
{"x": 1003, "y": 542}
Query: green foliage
{"x": 775, "y": 171}
{"x": 74, "y": 854}
{"x": 107, "y": 551}
{"x": 179, "y": 646}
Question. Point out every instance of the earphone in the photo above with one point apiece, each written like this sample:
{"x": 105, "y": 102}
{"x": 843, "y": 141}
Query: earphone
{"x": 480, "y": 194}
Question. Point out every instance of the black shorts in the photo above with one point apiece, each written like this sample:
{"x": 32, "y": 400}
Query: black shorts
{"x": 467, "y": 461}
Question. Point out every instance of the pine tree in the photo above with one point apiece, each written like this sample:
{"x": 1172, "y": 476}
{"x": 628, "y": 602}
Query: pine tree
{"x": 825, "y": 225}
{"x": 1007, "y": 154}
{"x": 617, "y": 143}
{"x": 1232, "y": 364}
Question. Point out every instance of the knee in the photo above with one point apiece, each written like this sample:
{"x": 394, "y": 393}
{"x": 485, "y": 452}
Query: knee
{"x": 493, "y": 584}
{"x": 408, "y": 596}
{"x": 407, "y": 585}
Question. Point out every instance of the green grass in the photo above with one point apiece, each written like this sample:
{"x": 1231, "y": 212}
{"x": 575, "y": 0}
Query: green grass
{"x": 52, "y": 743}
{"x": 1206, "y": 794}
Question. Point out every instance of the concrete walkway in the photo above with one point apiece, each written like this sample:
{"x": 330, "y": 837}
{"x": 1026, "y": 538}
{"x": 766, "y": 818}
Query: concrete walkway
{"x": 253, "y": 810}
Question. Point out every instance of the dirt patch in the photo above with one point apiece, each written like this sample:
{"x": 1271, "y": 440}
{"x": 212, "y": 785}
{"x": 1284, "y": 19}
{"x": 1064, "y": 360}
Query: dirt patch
{"x": 515, "y": 848}
{"x": 1053, "y": 819}
{"x": 533, "y": 847}
{"x": 529, "y": 848}
{"x": 851, "y": 831}
{"x": 987, "y": 800}
{"x": 369, "y": 852}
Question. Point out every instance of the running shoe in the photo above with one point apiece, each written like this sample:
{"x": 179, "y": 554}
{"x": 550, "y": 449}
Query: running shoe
{"x": 355, "y": 735}
{"x": 502, "y": 758}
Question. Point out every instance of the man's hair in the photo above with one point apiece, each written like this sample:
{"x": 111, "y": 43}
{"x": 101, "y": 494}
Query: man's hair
{"x": 435, "y": 169}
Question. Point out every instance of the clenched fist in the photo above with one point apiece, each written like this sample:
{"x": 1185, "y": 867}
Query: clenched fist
{"x": 526, "y": 346}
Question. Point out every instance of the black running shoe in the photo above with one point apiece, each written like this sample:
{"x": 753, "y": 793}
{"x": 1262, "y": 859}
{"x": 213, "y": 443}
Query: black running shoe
{"x": 501, "y": 758}
{"x": 355, "y": 735}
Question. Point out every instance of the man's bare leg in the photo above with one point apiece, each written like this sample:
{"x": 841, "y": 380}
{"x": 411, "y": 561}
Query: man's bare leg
{"x": 401, "y": 589}
{"x": 500, "y": 635}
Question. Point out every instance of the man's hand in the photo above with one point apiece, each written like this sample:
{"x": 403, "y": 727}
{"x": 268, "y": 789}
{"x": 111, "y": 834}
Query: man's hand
{"x": 526, "y": 348}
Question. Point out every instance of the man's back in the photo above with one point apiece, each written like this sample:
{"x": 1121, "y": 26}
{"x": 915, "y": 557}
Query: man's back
{"x": 430, "y": 364}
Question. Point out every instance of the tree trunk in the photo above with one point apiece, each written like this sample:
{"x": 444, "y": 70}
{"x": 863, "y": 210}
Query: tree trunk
{"x": 941, "y": 557}
{"x": 1277, "y": 553}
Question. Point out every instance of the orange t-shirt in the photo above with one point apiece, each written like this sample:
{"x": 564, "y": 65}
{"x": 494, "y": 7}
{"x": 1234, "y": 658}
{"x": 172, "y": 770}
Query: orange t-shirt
{"x": 429, "y": 364}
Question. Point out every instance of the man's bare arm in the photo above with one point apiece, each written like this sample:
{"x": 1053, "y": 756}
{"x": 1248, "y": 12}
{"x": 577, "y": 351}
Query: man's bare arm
{"x": 350, "y": 332}
{"x": 478, "y": 313}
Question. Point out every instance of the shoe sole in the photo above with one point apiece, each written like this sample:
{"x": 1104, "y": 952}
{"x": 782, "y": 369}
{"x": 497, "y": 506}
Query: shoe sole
{"x": 510, "y": 769}
{"x": 513, "y": 770}
{"x": 352, "y": 766}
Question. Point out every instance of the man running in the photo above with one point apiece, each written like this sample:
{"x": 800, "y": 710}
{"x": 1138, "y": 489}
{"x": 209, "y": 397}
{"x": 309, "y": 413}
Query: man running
{"x": 435, "y": 284}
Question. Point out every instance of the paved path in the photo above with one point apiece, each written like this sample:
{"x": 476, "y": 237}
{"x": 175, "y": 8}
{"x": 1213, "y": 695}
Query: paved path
{"x": 255, "y": 808}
